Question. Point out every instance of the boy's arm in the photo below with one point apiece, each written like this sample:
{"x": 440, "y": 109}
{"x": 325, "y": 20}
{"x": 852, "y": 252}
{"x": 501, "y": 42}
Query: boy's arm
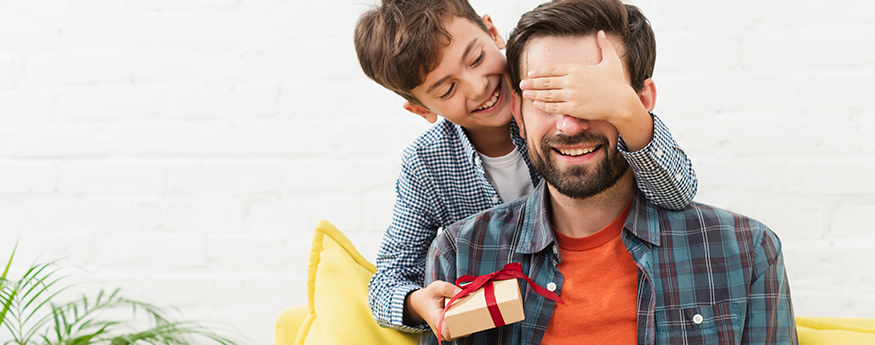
{"x": 402, "y": 254}
{"x": 769, "y": 318}
{"x": 662, "y": 170}
{"x": 601, "y": 92}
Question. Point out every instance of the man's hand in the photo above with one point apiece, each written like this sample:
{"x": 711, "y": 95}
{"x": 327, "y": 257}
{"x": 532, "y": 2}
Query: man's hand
{"x": 592, "y": 92}
{"x": 426, "y": 305}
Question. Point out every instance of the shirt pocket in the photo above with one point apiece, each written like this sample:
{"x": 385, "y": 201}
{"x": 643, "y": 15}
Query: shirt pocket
{"x": 714, "y": 324}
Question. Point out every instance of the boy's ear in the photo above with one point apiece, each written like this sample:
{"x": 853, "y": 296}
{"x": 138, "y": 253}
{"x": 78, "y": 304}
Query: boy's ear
{"x": 421, "y": 111}
{"x": 516, "y": 110}
{"x": 496, "y": 37}
{"x": 648, "y": 94}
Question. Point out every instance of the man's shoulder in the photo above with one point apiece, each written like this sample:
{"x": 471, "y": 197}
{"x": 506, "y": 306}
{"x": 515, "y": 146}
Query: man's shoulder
{"x": 491, "y": 222}
{"x": 710, "y": 213}
{"x": 699, "y": 217}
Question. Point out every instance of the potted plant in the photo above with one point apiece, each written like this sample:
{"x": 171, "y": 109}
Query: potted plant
{"x": 32, "y": 313}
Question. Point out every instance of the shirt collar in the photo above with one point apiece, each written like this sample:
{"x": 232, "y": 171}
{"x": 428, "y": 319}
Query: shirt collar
{"x": 470, "y": 152}
{"x": 538, "y": 233}
{"x": 643, "y": 221}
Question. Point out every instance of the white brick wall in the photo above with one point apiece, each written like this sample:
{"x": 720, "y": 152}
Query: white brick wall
{"x": 184, "y": 149}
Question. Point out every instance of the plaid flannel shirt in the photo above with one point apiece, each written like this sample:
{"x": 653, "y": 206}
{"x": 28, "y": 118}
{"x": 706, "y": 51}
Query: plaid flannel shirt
{"x": 442, "y": 181}
{"x": 705, "y": 275}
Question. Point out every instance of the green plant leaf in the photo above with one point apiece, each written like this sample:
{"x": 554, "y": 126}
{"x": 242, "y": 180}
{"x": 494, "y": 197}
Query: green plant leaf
{"x": 4, "y": 284}
{"x": 34, "y": 316}
{"x": 6, "y": 271}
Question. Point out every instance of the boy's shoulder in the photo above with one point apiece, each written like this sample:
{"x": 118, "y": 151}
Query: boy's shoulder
{"x": 442, "y": 142}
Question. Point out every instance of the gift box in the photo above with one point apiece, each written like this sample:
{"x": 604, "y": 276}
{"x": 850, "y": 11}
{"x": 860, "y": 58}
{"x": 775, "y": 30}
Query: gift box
{"x": 471, "y": 314}
{"x": 488, "y": 301}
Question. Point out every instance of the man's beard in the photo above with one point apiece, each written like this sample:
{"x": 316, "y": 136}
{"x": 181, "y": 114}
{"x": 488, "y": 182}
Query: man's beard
{"x": 580, "y": 182}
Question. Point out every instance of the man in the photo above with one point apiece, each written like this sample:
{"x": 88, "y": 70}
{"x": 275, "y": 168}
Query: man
{"x": 445, "y": 59}
{"x": 627, "y": 270}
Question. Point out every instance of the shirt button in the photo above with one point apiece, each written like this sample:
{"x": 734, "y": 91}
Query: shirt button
{"x": 495, "y": 199}
{"x": 697, "y": 319}
{"x": 657, "y": 153}
{"x": 679, "y": 176}
{"x": 551, "y": 286}
{"x": 555, "y": 249}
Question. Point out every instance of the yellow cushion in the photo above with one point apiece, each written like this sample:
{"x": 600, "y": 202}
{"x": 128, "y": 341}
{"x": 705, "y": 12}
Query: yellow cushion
{"x": 337, "y": 293}
{"x": 289, "y": 323}
{"x": 835, "y": 330}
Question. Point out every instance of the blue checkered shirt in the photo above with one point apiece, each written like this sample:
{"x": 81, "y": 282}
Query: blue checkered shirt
{"x": 705, "y": 275}
{"x": 442, "y": 181}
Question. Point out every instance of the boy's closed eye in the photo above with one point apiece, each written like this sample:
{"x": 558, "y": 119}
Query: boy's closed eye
{"x": 476, "y": 62}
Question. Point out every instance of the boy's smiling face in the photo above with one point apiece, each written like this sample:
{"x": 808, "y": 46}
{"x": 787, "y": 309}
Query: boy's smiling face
{"x": 469, "y": 86}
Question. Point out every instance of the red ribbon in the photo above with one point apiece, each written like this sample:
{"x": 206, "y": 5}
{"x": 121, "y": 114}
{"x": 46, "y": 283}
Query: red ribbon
{"x": 510, "y": 271}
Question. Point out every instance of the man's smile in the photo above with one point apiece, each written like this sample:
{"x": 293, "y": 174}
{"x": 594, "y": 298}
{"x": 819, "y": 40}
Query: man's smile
{"x": 578, "y": 151}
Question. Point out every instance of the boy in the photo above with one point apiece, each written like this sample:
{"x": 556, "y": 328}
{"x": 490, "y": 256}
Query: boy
{"x": 444, "y": 59}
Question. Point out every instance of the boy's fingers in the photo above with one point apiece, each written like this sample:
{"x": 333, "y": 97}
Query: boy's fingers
{"x": 551, "y": 107}
{"x": 545, "y": 95}
{"x": 445, "y": 333}
{"x": 542, "y": 83}
{"x": 548, "y": 71}
{"x": 609, "y": 53}
{"x": 450, "y": 290}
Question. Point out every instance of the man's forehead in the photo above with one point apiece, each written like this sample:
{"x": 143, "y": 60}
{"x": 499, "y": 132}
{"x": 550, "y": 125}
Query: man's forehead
{"x": 543, "y": 51}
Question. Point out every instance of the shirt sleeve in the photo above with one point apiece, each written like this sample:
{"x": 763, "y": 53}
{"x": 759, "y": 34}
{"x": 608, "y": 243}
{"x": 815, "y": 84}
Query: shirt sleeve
{"x": 441, "y": 265}
{"x": 402, "y": 253}
{"x": 769, "y": 318}
{"x": 662, "y": 170}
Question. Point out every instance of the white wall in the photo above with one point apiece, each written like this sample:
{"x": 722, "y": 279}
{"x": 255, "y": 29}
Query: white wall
{"x": 184, "y": 149}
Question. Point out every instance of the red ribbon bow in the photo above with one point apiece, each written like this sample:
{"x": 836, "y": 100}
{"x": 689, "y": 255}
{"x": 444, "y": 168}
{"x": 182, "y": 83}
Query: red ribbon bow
{"x": 510, "y": 271}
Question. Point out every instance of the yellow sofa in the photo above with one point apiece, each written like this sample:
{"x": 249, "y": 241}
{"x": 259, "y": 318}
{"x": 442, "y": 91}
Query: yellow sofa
{"x": 337, "y": 311}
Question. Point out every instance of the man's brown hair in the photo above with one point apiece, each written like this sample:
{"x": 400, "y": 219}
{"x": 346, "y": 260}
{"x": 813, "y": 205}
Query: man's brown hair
{"x": 575, "y": 18}
{"x": 400, "y": 41}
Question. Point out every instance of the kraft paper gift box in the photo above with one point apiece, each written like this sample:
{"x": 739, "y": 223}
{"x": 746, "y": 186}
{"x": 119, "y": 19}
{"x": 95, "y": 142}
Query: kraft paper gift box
{"x": 470, "y": 314}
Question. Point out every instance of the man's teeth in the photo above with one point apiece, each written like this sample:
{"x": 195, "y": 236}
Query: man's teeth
{"x": 491, "y": 102}
{"x": 577, "y": 152}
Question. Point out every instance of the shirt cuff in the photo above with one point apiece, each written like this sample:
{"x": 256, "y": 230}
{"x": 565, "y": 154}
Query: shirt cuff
{"x": 662, "y": 170}
{"x": 397, "y": 313}
{"x": 659, "y": 152}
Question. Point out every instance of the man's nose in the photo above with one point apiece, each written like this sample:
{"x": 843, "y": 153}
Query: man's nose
{"x": 571, "y": 125}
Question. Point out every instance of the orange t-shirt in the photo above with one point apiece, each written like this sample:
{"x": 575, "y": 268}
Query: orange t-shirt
{"x": 600, "y": 290}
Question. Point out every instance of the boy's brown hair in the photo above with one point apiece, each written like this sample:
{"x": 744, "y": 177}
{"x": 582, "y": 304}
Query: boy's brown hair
{"x": 575, "y": 18}
{"x": 400, "y": 41}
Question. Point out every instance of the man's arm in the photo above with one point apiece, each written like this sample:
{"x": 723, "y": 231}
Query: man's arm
{"x": 769, "y": 318}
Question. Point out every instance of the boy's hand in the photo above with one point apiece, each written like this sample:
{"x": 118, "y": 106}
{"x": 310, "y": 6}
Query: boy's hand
{"x": 426, "y": 305}
{"x": 592, "y": 92}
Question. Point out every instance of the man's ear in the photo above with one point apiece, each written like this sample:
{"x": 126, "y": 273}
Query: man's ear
{"x": 421, "y": 111}
{"x": 516, "y": 110}
{"x": 496, "y": 37}
{"x": 648, "y": 94}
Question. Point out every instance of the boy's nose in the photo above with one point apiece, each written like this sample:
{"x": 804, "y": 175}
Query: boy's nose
{"x": 571, "y": 125}
{"x": 478, "y": 86}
